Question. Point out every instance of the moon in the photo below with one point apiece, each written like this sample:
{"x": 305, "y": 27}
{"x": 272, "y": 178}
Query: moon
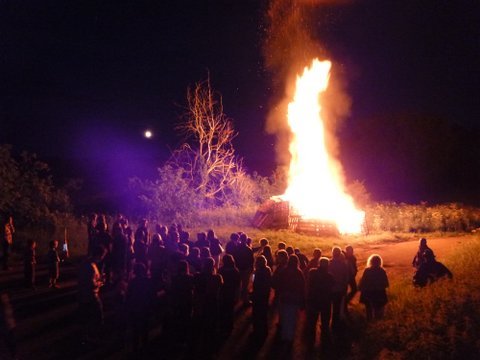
{"x": 148, "y": 134}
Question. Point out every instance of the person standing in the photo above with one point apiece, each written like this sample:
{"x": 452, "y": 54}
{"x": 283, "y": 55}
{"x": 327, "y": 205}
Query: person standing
{"x": 244, "y": 260}
{"x": 29, "y": 263}
{"x": 319, "y": 301}
{"x": 373, "y": 285}
{"x": 228, "y": 293}
{"x": 215, "y": 247}
{"x": 139, "y": 302}
{"x": 91, "y": 232}
{"x": 351, "y": 260}
{"x": 315, "y": 260}
{"x": 142, "y": 240}
{"x": 7, "y": 241}
{"x": 339, "y": 269}
{"x": 291, "y": 299}
{"x": 232, "y": 244}
{"x": 104, "y": 239}
{"x": 90, "y": 305}
{"x": 267, "y": 253}
{"x": 53, "y": 261}
{"x": 207, "y": 286}
{"x": 262, "y": 282}
{"x": 181, "y": 303}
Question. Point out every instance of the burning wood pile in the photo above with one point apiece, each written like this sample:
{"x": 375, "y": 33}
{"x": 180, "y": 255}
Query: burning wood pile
{"x": 315, "y": 200}
{"x": 276, "y": 213}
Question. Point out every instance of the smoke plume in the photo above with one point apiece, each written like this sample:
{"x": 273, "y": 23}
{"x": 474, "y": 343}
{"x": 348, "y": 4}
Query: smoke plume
{"x": 289, "y": 46}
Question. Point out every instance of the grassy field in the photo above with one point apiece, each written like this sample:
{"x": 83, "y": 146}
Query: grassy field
{"x": 441, "y": 321}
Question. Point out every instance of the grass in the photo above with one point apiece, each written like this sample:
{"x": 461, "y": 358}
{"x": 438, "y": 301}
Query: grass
{"x": 437, "y": 322}
{"x": 441, "y": 321}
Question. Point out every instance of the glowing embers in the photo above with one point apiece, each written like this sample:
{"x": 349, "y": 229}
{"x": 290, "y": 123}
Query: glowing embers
{"x": 315, "y": 183}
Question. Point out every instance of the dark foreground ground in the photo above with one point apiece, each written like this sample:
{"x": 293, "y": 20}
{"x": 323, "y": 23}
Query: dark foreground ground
{"x": 48, "y": 328}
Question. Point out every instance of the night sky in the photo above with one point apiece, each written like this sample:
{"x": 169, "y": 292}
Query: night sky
{"x": 81, "y": 80}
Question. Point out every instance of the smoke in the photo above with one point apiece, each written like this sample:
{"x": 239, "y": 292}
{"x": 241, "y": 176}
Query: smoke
{"x": 289, "y": 46}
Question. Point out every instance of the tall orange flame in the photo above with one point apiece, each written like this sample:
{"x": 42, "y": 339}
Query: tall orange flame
{"x": 316, "y": 188}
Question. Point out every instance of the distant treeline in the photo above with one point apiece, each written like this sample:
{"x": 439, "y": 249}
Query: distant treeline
{"x": 421, "y": 218}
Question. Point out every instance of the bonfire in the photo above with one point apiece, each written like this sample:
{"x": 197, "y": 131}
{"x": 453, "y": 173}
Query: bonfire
{"x": 316, "y": 195}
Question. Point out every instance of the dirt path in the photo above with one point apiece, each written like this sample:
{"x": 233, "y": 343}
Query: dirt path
{"x": 397, "y": 257}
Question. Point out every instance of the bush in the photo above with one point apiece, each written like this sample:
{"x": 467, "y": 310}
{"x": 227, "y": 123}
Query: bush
{"x": 28, "y": 191}
{"x": 169, "y": 198}
{"x": 421, "y": 218}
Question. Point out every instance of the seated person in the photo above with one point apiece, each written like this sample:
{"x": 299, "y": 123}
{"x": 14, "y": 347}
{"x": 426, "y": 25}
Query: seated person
{"x": 430, "y": 271}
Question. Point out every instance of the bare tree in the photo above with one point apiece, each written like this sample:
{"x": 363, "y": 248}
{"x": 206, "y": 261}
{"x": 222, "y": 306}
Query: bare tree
{"x": 208, "y": 157}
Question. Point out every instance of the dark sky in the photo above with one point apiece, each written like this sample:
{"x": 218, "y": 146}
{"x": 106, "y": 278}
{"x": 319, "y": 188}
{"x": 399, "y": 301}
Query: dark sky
{"x": 81, "y": 80}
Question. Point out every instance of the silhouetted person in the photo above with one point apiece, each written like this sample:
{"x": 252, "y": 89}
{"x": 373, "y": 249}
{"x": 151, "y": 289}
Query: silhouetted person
{"x": 267, "y": 253}
{"x": 163, "y": 232}
{"x": 290, "y": 251}
{"x": 351, "y": 260}
{"x": 281, "y": 246}
{"x": 142, "y": 240}
{"x": 53, "y": 263}
{"x": 315, "y": 260}
{"x": 302, "y": 259}
{"x": 29, "y": 263}
{"x": 104, "y": 239}
{"x": 90, "y": 304}
{"x": 244, "y": 260}
{"x": 175, "y": 258}
{"x": 291, "y": 298}
{"x": 202, "y": 240}
{"x": 185, "y": 239}
{"x": 157, "y": 255}
{"x": 281, "y": 261}
{"x": 91, "y": 232}
{"x": 205, "y": 253}
{"x": 259, "y": 249}
{"x": 119, "y": 251}
{"x": 229, "y": 293}
{"x": 373, "y": 285}
{"x": 419, "y": 259}
{"x": 262, "y": 283}
{"x": 207, "y": 285}
{"x": 183, "y": 235}
{"x": 173, "y": 241}
{"x": 129, "y": 256}
{"x": 216, "y": 248}
{"x": 339, "y": 269}
{"x": 232, "y": 244}
{"x": 181, "y": 302}
{"x": 139, "y": 301}
{"x": 7, "y": 240}
{"x": 194, "y": 260}
{"x": 431, "y": 270}
{"x": 319, "y": 301}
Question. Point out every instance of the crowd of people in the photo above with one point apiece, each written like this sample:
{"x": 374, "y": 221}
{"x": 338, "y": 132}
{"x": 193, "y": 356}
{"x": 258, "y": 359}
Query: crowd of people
{"x": 193, "y": 287}
{"x": 200, "y": 284}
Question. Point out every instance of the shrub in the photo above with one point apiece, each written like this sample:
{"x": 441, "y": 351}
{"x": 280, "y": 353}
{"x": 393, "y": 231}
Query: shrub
{"x": 421, "y": 218}
{"x": 28, "y": 191}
